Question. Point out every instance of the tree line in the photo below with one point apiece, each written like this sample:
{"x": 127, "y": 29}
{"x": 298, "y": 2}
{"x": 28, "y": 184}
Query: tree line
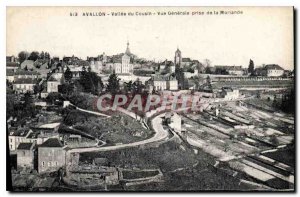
{"x": 34, "y": 55}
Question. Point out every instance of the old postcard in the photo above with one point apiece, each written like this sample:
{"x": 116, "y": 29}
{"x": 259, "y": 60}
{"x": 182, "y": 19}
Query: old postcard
{"x": 150, "y": 99}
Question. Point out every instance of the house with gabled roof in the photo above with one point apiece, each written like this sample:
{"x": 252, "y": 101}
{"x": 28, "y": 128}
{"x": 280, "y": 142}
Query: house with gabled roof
{"x": 51, "y": 155}
{"x": 17, "y": 136}
{"x": 273, "y": 70}
{"x": 12, "y": 66}
{"x": 270, "y": 70}
{"x": 23, "y": 85}
{"x": 21, "y": 74}
{"x": 54, "y": 81}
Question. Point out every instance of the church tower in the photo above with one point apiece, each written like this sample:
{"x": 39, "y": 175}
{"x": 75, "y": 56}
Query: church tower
{"x": 127, "y": 49}
{"x": 177, "y": 59}
{"x": 127, "y": 66}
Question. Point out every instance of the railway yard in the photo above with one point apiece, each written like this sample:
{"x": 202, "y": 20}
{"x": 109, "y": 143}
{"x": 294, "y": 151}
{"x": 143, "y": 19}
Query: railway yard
{"x": 252, "y": 143}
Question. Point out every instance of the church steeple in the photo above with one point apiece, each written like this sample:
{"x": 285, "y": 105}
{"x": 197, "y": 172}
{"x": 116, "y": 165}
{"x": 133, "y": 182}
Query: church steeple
{"x": 127, "y": 49}
{"x": 177, "y": 58}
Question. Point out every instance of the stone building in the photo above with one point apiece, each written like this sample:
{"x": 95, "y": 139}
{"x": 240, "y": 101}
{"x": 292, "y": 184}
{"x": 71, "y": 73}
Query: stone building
{"x": 273, "y": 70}
{"x": 172, "y": 84}
{"x": 123, "y": 63}
{"x": 25, "y": 155}
{"x": 159, "y": 83}
{"x": 51, "y": 156}
{"x": 17, "y": 136}
{"x": 54, "y": 81}
{"x": 270, "y": 70}
{"x": 24, "y": 85}
{"x": 47, "y": 131}
{"x": 24, "y": 74}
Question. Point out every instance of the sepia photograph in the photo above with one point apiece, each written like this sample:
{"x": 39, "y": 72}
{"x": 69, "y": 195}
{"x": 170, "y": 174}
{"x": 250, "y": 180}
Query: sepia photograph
{"x": 150, "y": 99}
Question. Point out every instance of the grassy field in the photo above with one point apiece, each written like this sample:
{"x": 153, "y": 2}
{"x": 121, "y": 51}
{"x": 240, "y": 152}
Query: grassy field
{"x": 181, "y": 168}
{"x": 167, "y": 157}
{"x": 198, "y": 178}
{"x": 117, "y": 129}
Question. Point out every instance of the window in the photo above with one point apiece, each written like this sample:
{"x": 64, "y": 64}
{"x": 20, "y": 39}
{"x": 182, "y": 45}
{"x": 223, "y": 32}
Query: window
{"x": 43, "y": 164}
{"x": 49, "y": 164}
{"x": 56, "y": 163}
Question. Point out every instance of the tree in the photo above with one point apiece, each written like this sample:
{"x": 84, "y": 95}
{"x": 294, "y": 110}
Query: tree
{"x": 36, "y": 88}
{"x": 288, "y": 102}
{"x": 52, "y": 97}
{"x": 66, "y": 88}
{"x": 68, "y": 75}
{"x": 23, "y": 55}
{"x": 128, "y": 86}
{"x": 208, "y": 70}
{"x": 28, "y": 105}
{"x": 251, "y": 67}
{"x": 47, "y": 55}
{"x": 113, "y": 85}
{"x": 90, "y": 82}
{"x": 221, "y": 71}
{"x": 10, "y": 105}
{"x": 34, "y": 55}
{"x": 137, "y": 86}
{"x": 207, "y": 63}
{"x": 42, "y": 55}
{"x": 180, "y": 77}
{"x": 208, "y": 83}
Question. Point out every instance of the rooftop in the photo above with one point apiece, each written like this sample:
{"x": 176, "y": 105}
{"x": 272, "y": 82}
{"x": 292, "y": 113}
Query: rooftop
{"x": 26, "y": 72}
{"x": 25, "y": 81}
{"x": 50, "y": 125}
{"x": 158, "y": 78}
{"x": 25, "y": 146}
{"x": 185, "y": 59}
{"x": 12, "y": 64}
{"x": 52, "y": 79}
{"x": 33, "y": 135}
{"x": 228, "y": 67}
{"x": 19, "y": 132}
{"x": 52, "y": 142}
{"x": 273, "y": 67}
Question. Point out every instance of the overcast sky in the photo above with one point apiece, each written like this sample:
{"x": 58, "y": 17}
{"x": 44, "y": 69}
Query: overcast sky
{"x": 262, "y": 34}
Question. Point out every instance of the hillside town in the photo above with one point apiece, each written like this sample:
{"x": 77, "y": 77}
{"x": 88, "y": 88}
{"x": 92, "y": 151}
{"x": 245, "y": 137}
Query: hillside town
{"x": 241, "y": 137}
